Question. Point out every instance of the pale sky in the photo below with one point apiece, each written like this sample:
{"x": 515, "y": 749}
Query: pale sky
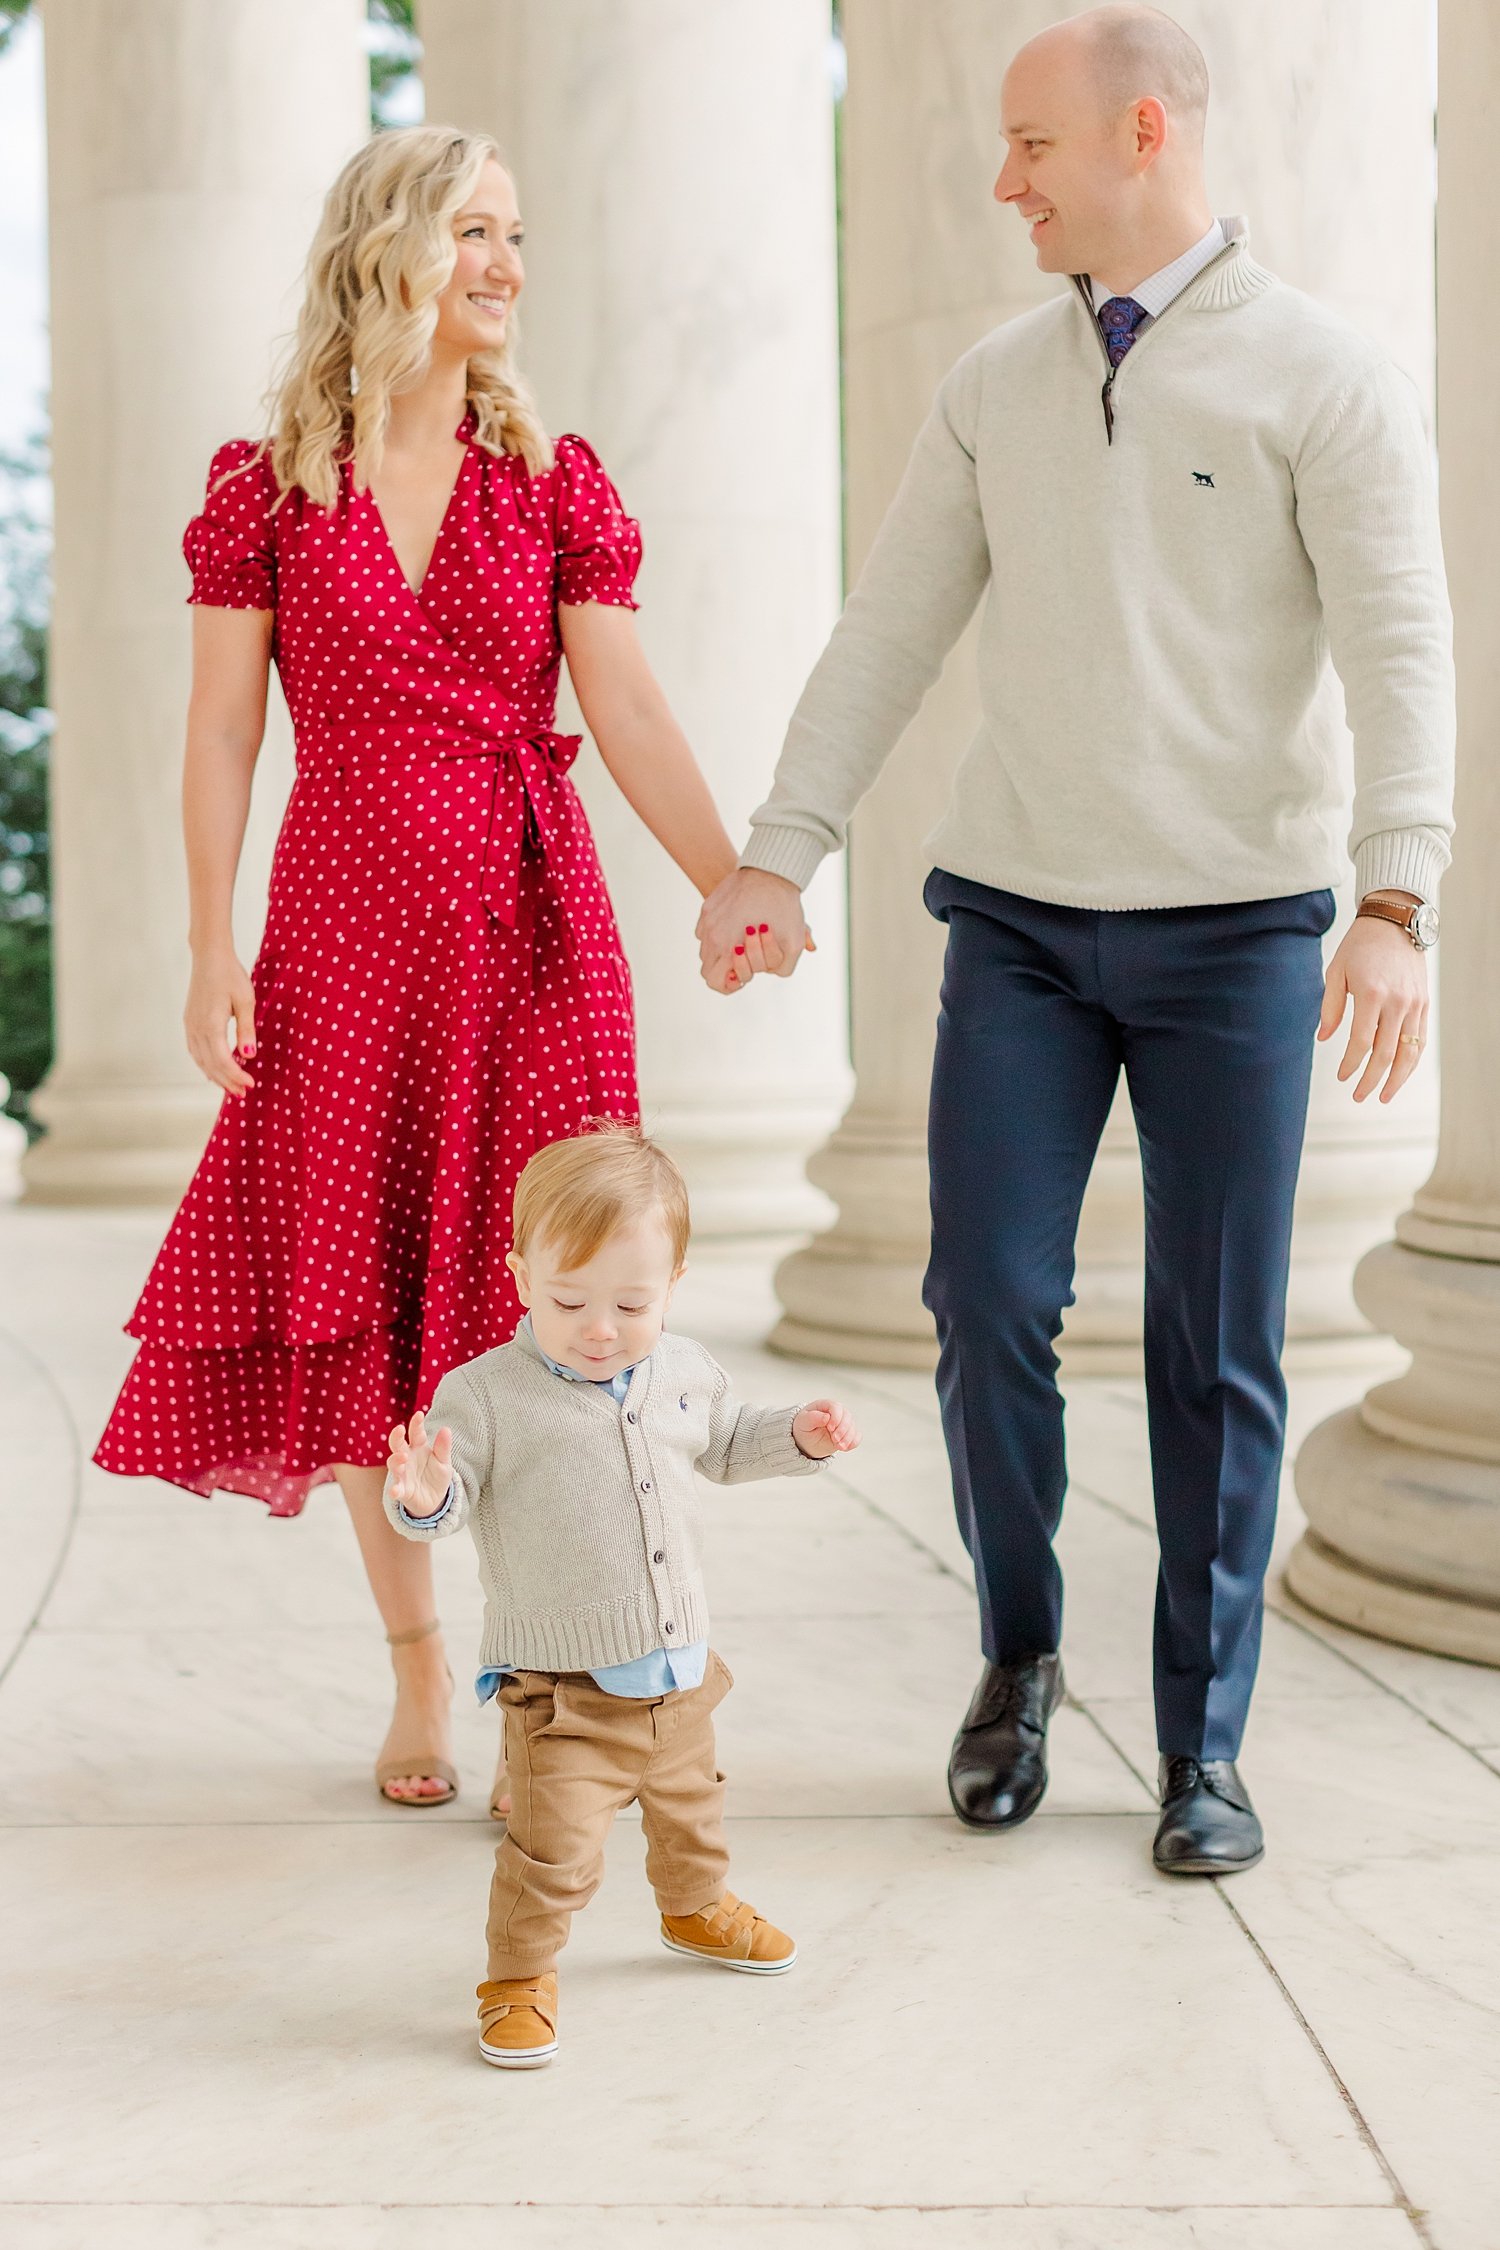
{"x": 23, "y": 238}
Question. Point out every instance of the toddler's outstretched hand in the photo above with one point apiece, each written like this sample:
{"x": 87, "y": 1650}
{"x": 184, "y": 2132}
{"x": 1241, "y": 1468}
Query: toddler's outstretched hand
{"x": 824, "y": 1427}
{"x": 420, "y": 1468}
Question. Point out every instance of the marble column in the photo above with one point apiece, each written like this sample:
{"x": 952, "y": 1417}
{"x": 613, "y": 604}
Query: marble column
{"x": 1320, "y": 131}
{"x": 189, "y": 144}
{"x": 675, "y": 172}
{"x": 1403, "y": 1492}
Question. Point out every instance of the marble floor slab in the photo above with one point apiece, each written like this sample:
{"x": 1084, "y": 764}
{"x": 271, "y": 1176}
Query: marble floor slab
{"x": 261, "y": 2226}
{"x": 237, "y": 1987}
{"x": 320, "y": 1978}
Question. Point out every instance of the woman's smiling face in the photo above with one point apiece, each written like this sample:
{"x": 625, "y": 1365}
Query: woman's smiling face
{"x": 474, "y": 309}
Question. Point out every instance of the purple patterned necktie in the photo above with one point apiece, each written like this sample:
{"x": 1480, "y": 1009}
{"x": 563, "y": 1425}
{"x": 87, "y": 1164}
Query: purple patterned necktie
{"x": 1119, "y": 317}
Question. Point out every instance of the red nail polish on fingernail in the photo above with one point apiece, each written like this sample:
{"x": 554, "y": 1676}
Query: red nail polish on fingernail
{"x": 764, "y": 927}
{"x": 739, "y": 949}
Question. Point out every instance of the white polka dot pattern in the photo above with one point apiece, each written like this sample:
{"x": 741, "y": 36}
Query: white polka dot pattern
{"x": 440, "y": 991}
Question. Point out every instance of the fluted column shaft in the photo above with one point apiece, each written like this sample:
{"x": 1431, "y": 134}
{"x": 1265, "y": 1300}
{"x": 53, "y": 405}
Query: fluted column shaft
{"x": 1403, "y": 1493}
{"x": 1320, "y": 130}
{"x": 189, "y": 144}
{"x": 675, "y": 172}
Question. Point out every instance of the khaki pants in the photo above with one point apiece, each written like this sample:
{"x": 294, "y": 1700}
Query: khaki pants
{"x": 575, "y": 1757}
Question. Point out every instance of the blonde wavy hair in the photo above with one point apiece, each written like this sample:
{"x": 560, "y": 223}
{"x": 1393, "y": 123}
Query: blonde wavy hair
{"x": 383, "y": 253}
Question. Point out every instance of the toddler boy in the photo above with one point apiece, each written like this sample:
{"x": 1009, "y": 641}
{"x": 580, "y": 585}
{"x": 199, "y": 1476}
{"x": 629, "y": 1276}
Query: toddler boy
{"x": 570, "y": 1454}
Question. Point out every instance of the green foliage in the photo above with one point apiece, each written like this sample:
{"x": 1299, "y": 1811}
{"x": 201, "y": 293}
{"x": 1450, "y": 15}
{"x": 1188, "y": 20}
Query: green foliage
{"x": 25, "y": 737}
{"x": 395, "y": 51}
{"x": 11, "y": 13}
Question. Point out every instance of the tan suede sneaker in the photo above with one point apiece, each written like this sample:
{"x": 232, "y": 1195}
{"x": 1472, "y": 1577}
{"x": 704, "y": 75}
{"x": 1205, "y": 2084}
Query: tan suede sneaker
{"x": 518, "y": 2021}
{"x": 732, "y": 1934}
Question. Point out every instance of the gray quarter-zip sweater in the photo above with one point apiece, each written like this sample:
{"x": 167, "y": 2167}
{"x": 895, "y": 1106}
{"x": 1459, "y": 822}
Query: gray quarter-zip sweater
{"x": 1161, "y": 601}
{"x": 584, "y": 1509}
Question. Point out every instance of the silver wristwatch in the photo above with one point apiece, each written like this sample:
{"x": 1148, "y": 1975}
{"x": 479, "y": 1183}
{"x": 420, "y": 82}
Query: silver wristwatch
{"x": 1419, "y": 922}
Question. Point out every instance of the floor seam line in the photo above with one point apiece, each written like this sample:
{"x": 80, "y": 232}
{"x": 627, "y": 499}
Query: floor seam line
{"x": 1309, "y": 1631}
{"x": 483, "y": 1822}
{"x": 29, "y": 1358}
{"x": 903, "y": 1531}
{"x": 657, "y": 2203}
{"x": 1400, "y": 2200}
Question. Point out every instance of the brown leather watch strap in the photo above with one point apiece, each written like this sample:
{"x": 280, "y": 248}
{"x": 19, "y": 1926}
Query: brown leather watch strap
{"x": 1398, "y": 911}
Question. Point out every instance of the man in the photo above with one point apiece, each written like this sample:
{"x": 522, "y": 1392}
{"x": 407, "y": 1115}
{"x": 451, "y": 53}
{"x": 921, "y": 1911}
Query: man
{"x": 1179, "y": 486}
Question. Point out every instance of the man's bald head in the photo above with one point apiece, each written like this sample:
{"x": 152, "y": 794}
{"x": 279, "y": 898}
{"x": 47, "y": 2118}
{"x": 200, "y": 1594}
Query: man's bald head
{"x": 1139, "y": 52}
{"x": 1133, "y": 54}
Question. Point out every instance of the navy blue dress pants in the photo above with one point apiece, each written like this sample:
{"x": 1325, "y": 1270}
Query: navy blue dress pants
{"x": 1210, "y": 1011}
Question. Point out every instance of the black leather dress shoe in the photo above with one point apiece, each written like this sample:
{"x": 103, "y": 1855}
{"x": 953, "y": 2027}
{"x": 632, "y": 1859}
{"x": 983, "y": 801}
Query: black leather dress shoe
{"x": 1208, "y": 1824}
{"x": 997, "y": 1772}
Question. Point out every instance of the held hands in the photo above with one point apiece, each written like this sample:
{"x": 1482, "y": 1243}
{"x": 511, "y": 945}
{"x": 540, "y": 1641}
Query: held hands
{"x": 751, "y": 926}
{"x": 420, "y": 1468}
{"x": 824, "y": 1427}
{"x": 221, "y": 990}
{"x": 1385, "y": 976}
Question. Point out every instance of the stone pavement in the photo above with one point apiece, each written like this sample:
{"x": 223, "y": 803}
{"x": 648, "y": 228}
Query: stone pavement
{"x": 237, "y": 1988}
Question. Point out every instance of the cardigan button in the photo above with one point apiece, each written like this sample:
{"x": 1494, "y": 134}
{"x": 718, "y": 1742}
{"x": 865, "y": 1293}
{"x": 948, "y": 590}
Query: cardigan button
{"x": 669, "y": 1628}
{"x": 645, "y": 1484}
{"x": 659, "y": 1556}
{"x": 630, "y": 1414}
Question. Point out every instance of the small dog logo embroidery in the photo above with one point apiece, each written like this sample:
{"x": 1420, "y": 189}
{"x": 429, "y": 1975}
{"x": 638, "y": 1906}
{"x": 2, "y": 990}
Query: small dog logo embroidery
{"x": 1203, "y": 476}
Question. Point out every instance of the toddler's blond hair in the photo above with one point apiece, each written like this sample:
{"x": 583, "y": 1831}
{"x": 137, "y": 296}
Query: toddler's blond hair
{"x": 576, "y": 1194}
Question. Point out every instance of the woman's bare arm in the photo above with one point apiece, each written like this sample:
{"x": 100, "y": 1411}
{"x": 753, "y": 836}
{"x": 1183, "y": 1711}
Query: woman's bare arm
{"x": 226, "y": 722}
{"x": 642, "y": 745}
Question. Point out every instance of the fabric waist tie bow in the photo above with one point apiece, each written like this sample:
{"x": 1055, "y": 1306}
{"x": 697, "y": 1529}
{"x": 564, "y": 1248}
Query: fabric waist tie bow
{"x": 523, "y": 795}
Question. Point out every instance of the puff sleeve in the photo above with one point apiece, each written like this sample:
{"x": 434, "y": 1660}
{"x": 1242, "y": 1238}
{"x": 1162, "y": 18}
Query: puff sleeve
{"x": 598, "y": 545}
{"x": 230, "y": 547}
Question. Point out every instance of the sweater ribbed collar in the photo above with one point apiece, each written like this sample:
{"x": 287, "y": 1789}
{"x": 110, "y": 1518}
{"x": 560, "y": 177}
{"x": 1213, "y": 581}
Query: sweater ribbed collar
{"x": 1232, "y": 278}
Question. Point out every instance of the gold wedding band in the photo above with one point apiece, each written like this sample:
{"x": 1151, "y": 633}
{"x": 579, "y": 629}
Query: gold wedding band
{"x": 1410, "y": 1039}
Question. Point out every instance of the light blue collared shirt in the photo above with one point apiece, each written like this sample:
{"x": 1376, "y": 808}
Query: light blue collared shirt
{"x": 663, "y": 1671}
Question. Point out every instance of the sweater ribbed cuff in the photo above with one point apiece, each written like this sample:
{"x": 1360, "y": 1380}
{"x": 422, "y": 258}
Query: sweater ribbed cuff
{"x": 780, "y": 1454}
{"x": 792, "y": 852}
{"x": 1400, "y": 859}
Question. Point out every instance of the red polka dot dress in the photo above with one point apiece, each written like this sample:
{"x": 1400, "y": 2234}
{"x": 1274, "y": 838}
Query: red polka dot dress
{"x": 440, "y": 991}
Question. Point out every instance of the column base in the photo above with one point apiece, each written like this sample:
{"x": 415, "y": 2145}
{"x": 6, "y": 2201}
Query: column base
{"x": 116, "y": 1144}
{"x": 855, "y": 1293}
{"x": 1403, "y": 1540}
{"x": 745, "y": 1166}
{"x": 1444, "y": 1624}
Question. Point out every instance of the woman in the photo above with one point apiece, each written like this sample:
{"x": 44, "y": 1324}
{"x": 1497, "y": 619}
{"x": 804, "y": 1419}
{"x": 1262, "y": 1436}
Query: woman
{"x": 416, "y": 558}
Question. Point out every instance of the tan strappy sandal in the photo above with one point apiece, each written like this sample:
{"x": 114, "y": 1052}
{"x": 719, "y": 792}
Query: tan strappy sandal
{"x": 416, "y": 1763}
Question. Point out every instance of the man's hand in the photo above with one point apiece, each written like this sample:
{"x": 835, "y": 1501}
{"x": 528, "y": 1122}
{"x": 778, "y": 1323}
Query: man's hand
{"x": 1385, "y": 975}
{"x": 419, "y": 1469}
{"x": 751, "y": 926}
{"x": 823, "y": 1427}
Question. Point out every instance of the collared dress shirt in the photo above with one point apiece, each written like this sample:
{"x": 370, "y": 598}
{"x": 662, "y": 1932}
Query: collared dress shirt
{"x": 1157, "y": 291}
